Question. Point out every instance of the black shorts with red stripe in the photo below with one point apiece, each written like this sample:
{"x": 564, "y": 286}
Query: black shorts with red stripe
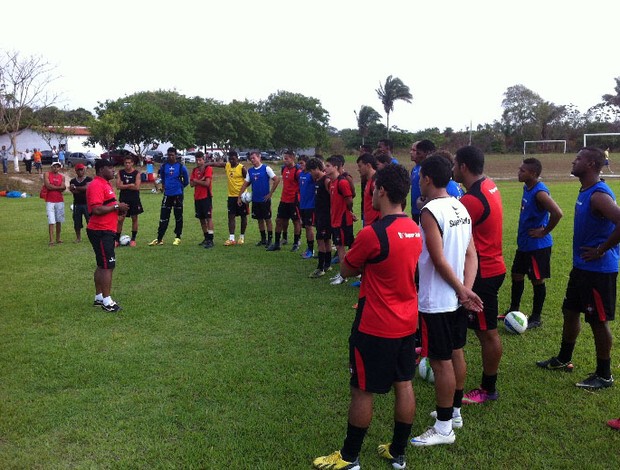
{"x": 536, "y": 264}
{"x": 591, "y": 293}
{"x": 343, "y": 236}
{"x": 288, "y": 210}
{"x": 487, "y": 289}
{"x": 443, "y": 333}
{"x": 376, "y": 363}
{"x": 103, "y": 246}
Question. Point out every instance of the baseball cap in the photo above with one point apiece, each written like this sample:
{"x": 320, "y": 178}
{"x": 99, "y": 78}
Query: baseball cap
{"x": 56, "y": 163}
{"x": 79, "y": 166}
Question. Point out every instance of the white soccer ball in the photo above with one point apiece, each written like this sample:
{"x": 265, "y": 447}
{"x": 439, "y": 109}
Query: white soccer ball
{"x": 515, "y": 322}
{"x": 246, "y": 197}
{"x": 425, "y": 370}
{"x": 124, "y": 240}
{"x": 154, "y": 191}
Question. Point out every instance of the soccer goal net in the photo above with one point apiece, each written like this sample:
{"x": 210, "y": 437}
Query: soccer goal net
{"x": 599, "y": 142}
{"x": 544, "y": 146}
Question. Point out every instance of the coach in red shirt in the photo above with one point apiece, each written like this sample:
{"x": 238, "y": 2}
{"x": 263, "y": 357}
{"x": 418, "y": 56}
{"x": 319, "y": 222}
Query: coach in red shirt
{"x": 103, "y": 209}
{"x": 381, "y": 345}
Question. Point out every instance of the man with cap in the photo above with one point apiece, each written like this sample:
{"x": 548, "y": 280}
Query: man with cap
{"x": 77, "y": 186}
{"x": 54, "y": 201}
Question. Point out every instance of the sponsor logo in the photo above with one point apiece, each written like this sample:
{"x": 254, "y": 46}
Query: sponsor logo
{"x": 408, "y": 235}
{"x": 493, "y": 190}
{"x": 460, "y": 221}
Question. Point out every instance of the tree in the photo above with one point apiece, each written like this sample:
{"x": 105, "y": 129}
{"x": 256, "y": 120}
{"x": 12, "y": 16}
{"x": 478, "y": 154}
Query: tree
{"x": 393, "y": 90}
{"x": 365, "y": 118}
{"x": 614, "y": 100}
{"x": 24, "y": 87}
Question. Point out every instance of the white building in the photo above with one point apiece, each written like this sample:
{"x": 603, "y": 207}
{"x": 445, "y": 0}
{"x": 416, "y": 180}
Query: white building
{"x": 74, "y": 138}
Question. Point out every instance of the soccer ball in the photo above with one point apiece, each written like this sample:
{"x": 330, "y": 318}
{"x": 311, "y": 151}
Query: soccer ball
{"x": 425, "y": 370}
{"x": 246, "y": 197}
{"x": 124, "y": 240}
{"x": 515, "y": 322}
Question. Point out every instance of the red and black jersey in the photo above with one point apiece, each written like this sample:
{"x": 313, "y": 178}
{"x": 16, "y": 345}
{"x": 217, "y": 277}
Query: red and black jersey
{"x": 339, "y": 191}
{"x": 290, "y": 184}
{"x": 100, "y": 193}
{"x": 370, "y": 214}
{"x": 387, "y": 253}
{"x": 484, "y": 204}
{"x": 202, "y": 192}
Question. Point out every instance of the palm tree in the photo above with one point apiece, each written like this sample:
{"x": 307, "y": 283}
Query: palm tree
{"x": 365, "y": 118}
{"x": 394, "y": 89}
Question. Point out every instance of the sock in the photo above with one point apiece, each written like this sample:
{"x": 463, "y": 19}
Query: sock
{"x": 603, "y": 368}
{"x": 263, "y": 235}
{"x": 278, "y": 237}
{"x": 400, "y": 438}
{"x": 310, "y": 245}
{"x": 443, "y": 423}
{"x": 99, "y": 297}
{"x": 117, "y": 237}
{"x": 210, "y": 235}
{"x": 206, "y": 235}
{"x": 540, "y": 293}
{"x": 457, "y": 402}
{"x": 107, "y": 301}
{"x": 516, "y": 292}
{"x": 566, "y": 351}
{"x": 488, "y": 382}
{"x": 296, "y": 239}
{"x": 285, "y": 236}
{"x": 134, "y": 234}
{"x": 456, "y": 412}
{"x": 231, "y": 237}
{"x": 269, "y": 237}
{"x": 327, "y": 260}
{"x": 242, "y": 237}
{"x": 353, "y": 442}
{"x": 321, "y": 257}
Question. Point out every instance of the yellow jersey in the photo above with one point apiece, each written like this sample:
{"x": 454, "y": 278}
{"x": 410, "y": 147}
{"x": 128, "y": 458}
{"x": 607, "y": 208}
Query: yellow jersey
{"x": 235, "y": 179}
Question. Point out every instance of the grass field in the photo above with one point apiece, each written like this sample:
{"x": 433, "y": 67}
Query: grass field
{"x": 233, "y": 358}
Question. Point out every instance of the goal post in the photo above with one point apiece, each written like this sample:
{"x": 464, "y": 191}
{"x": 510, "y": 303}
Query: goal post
{"x": 544, "y": 142}
{"x": 585, "y": 136}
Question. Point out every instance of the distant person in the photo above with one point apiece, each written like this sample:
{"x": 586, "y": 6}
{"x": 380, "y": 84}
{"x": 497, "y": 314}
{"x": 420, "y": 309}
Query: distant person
{"x": 104, "y": 210}
{"x": 128, "y": 182}
{"x": 306, "y": 204}
{"x": 201, "y": 180}
{"x": 591, "y": 285}
{"x": 78, "y": 186}
{"x": 419, "y": 151}
{"x": 174, "y": 179}
{"x": 28, "y": 161}
{"x": 61, "y": 156}
{"x": 55, "y": 201}
{"x": 367, "y": 167}
{"x": 37, "y": 157}
{"x": 386, "y": 147}
{"x": 362, "y": 150}
{"x": 54, "y": 154}
{"x": 321, "y": 216}
{"x": 381, "y": 343}
{"x": 539, "y": 216}
{"x": 4, "y": 155}
{"x": 259, "y": 177}
{"x": 484, "y": 204}
{"x": 607, "y": 165}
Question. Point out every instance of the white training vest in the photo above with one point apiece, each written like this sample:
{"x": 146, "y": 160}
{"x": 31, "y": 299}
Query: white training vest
{"x": 454, "y": 222}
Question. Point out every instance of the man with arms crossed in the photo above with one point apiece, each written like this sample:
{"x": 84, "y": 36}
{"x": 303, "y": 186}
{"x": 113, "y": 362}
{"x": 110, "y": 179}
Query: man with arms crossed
{"x": 77, "y": 186}
{"x": 128, "y": 181}
{"x": 447, "y": 266}
{"x": 101, "y": 230}
{"x": 258, "y": 177}
{"x": 592, "y": 282}
{"x": 539, "y": 216}
{"x": 55, "y": 201}
{"x": 484, "y": 204}
{"x": 381, "y": 345}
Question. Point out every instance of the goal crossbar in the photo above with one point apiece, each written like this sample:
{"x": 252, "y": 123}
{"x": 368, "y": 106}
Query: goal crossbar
{"x": 543, "y": 142}
{"x": 585, "y": 136}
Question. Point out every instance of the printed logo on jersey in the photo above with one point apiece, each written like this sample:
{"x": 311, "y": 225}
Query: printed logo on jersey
{"x": 409, "y": 235}
{"x": 458, "y": 220}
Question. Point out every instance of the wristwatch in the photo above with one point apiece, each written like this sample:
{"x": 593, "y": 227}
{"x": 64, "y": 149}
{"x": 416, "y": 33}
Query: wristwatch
{"x": 116, "y": 206}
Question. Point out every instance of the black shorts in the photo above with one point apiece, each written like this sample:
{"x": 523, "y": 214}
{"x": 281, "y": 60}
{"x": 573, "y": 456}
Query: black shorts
{"x": 288, "y": 210}
{"x": 103, "y": 246}
{"x": 135, "y": 208}
{"x": 443, "y": 333}
{"x": 343, "y": 236}
{"x": 236, "y": 209}
{"x": 203, "y": 208}
{"x": 536, "y": 264}
{"x": 323, "y": 226}
{"x": 172, "y": 201}
{"x": 307, "y": 217}
{"x": 79, "y": 210}
{"x": 261, "y": 210}
{"x": 591, "y": 293}
{"x": 376, "y": 363}
{"x": 487, "y": 289}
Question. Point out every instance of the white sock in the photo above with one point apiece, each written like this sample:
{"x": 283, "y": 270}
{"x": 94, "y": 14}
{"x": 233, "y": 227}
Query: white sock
{"x": 231, "y": 237}
{"x": 107, "y": 301}
{"x": 99, "y": 297}
{"x": 443, "y": 427}
{"x": 210, "y": 232}
{"x": 456, "y": 412}
{"x": 242, "y": 237}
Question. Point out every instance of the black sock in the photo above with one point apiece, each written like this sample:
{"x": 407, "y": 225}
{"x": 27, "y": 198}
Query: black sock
{"x": 310, "y": 245}
{"x": 458, "y": 399}
{"x": 278, "y": 238}
{"x": 603, "y": 368}
{"x": 296, "y": 239}
{"x": 400, "y": 438}
{"x": 269, "y": 237}
{"x": 516, "y": 292}
{"x": 444, "y": 414}
{"x": 540, "y": 293}
{"x": 566, "y": 352}
{"x": 210, "y": 236}
{"x": 134, "y": 234}
{"x": 327, "y": 260}
{"x": 117, "y": 237}
{"x": 263, "y": 235}
{"x": 321, "y": 257}
{"x": 285, "y": 236}
{"x": 353, "y": 442}
{"x": 206, "y": 235}
{"x": 488, "y": 382}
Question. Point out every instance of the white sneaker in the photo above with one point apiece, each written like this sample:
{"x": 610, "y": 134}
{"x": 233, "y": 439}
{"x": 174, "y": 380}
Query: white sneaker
{"x": 457, "y": 421}
{"x": 336, "y": 281}
{"x": 432, "y": 437}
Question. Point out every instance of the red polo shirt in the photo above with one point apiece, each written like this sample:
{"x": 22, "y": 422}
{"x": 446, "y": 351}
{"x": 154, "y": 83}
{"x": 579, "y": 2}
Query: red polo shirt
{"x": 100, "y": 193}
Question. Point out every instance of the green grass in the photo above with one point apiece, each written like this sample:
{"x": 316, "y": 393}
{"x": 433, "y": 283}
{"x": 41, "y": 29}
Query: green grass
{"x": 233, "y": 358}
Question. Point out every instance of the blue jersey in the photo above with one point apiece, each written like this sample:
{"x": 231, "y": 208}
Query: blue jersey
{"x": 454, "y": 189}
{"x": 174, "y": 177}
{"x": 415, "y": 189}
{"x": 591, "y": 230}
{"x": 532, "y": 216}
{"x": 259, "y": 179}
{"x": 306, "y": 191}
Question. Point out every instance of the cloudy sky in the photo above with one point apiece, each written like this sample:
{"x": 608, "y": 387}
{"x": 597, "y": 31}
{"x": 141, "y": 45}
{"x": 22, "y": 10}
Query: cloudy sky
{"x": 457, "y": 57}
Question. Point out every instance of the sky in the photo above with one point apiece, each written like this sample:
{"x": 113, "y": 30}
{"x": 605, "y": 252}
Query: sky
{"x": 457, "y": 57}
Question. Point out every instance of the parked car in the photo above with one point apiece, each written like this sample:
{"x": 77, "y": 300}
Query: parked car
{"x": 189, "y": 157}
{"x": 85, "y": 158}
{"x": 265, "y": 156}
{"x": 243, "y": 156}
{"x": 46, "y": 157}
{"x": 118, "y": 156}
{"x": 154, "y": 155}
